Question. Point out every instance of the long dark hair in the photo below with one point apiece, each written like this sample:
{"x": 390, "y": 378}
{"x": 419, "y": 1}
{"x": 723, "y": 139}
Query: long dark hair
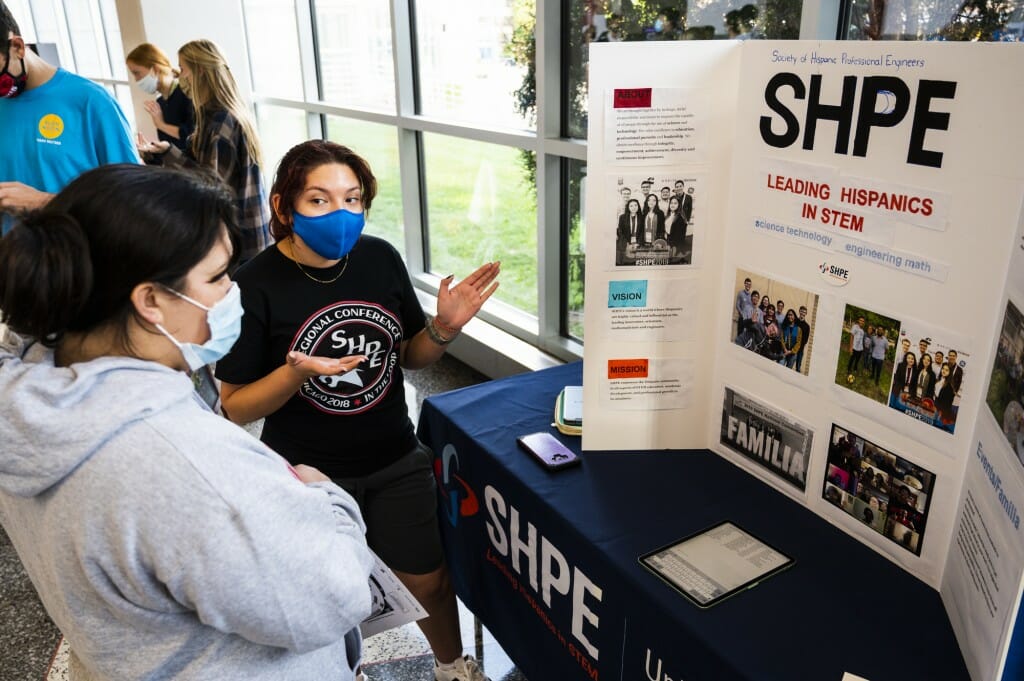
{"x": 299, "y": 162}
{"x": 72, "y": 265}
{"x": 647, "y": 208}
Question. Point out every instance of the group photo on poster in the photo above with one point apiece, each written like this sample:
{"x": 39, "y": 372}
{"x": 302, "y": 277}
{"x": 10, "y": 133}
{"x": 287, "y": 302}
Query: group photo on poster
{"x": 914, "y": 368}
{"x": 927, "y": 383}
{"x": 774, "y": 319}
{"x": 880, "y": 489}
{"x": 1005, "y": 397}
{"x": 777, "y": 442}
{"x": 866, "y": 352}
{"x": 655, "y": 221}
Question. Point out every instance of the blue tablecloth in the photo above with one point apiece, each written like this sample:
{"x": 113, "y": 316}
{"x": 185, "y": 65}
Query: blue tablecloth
{"x": 549, "y": 561}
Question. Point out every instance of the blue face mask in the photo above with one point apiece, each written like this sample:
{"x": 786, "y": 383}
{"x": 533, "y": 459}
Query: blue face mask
{"x": 332, "y": 235}
{"x": 225, "y": 322}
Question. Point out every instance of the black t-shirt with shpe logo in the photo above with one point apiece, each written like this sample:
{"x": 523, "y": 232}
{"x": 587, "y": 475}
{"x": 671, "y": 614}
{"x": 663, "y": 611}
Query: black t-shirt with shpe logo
{"x": 349, "y": 425}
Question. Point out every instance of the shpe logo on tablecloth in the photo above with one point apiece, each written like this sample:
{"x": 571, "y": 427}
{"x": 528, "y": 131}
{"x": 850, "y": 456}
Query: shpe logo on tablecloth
{"x": 834, "y": 274}
{"x": 458, "y": 499}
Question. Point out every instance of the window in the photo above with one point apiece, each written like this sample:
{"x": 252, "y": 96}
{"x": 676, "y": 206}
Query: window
{"x": 984, "y": 20}
{"x": 440, "y": 117}
{"x": 481, "y": 208}
{"x": 575, "y": 249}
{"x": 356, "y": 65}
{"x": 277, "y": 72}
{"x": 473, "y": 114}
{"x": 465, "y": 65}
{"x": 280, "y": 129}
{"x": 23, "y": 15}
{"x": 84, "y": 25}
{"x": 378, "y": 144}
{"x": 622, "y": 20}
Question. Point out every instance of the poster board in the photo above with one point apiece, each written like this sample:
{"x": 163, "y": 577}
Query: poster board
{"x": 876, "y": 188}
{"x": 647, "y": 315}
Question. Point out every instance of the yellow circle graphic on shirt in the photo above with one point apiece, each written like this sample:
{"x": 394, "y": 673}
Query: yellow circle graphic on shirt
{"x": 51, "y": 126}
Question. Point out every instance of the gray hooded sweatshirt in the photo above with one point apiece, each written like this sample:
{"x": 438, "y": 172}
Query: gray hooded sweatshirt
{"x": 166, "y": 542}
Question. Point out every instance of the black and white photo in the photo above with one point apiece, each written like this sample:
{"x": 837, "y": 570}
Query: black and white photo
{"x": 777, "y": 442}
{"x": 655, "y": 220}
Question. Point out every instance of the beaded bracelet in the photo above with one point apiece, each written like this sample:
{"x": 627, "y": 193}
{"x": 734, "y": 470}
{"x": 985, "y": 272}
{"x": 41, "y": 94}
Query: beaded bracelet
{"x": 444, "y": 328}
{"x": 435, "y": 335}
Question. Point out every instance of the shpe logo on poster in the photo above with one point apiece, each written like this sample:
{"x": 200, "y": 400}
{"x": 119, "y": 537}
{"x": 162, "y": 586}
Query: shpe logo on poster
{"x": 834, "y": 274}
{"x": 458, "y": 498}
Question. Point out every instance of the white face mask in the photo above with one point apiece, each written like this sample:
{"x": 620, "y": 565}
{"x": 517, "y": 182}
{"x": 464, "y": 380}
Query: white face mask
{"x": 147, "y": 84}
{"x": 225, "y": 322}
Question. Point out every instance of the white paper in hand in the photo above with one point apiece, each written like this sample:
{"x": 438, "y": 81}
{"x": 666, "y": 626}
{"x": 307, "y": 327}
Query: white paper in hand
{"x": 393, "y": 604}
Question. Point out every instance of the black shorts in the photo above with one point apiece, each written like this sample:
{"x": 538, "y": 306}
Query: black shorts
{"x": 399, "y": 505}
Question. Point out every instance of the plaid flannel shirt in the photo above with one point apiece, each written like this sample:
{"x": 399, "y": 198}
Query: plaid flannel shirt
{"x": 224, "y": 151}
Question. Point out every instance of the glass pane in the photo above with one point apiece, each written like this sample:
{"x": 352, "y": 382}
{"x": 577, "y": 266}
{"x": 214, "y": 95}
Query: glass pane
{"x": 49, "y": 30}
{"x": 90, "y": 55}
{"x": 280, "y": 129}
{"x": 112, "y": 30}
{"x": 576, "y": 252}
{"x": 354, "y": 42}
{"x": 481, "y": 207}
{"x": 378, "y": 144}
{"x": 23, "y": 15}
{"x": 276, "y": 72}
{"x": 986, "y": 20}
{"x": 476, "y": 60}
{"x": 621, "y": 20}
{"x": 123, "y": 95}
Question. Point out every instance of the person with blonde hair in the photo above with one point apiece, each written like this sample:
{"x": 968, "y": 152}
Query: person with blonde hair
{"x": 171, "y": 111}
{"x": 224, "y": 140}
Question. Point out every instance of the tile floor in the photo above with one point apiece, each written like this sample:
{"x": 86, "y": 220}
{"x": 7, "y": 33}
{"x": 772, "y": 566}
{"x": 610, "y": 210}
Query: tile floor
{"x": 398, "y": 655}
{"x": 31, "y": 641}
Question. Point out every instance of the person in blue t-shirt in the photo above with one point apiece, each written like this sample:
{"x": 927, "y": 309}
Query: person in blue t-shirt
{"x": 56, "y": 125}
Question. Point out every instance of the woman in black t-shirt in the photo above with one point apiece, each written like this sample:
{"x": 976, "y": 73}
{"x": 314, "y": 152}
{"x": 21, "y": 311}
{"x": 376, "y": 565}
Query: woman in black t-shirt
{"x": 172, "y": 111}
{"x": 331, "y": 320}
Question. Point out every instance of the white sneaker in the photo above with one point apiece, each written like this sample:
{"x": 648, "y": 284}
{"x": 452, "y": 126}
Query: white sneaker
{"x": 466, "y": 669}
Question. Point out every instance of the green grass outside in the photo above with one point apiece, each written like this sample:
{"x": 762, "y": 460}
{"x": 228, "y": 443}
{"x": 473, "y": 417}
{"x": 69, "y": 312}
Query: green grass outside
{"x": 378, "y": 144}
{"x": 501, "y": 224}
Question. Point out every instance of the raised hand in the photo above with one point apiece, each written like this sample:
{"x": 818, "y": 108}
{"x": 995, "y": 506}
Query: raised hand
{"x": 154, "y": 111}
{"x": 456, "y": 305}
